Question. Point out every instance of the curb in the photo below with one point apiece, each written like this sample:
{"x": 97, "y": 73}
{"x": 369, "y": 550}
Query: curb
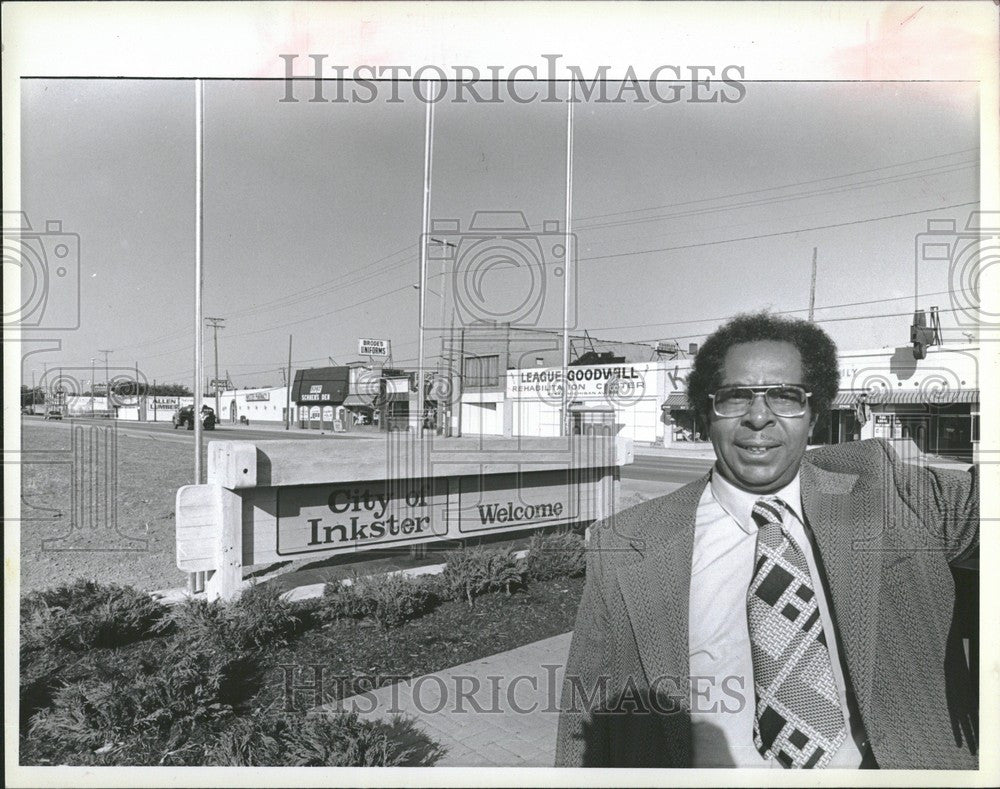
{"x": 174, "y": 596}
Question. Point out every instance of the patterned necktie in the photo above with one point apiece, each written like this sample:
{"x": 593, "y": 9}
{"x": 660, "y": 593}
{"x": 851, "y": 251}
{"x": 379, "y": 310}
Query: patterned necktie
{"x": 798, "y": 717}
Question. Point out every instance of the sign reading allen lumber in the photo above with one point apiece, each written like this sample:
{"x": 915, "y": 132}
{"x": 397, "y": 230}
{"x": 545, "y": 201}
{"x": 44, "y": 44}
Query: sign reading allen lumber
{"x": 316, "y": 518}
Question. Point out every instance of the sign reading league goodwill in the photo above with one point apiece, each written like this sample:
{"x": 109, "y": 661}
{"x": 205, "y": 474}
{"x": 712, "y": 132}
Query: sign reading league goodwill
{"x": 613, "y": 381}
{"x": 369, "y": 347}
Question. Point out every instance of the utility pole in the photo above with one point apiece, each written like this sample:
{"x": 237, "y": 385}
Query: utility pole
{"x": 107, "y": 380}
{"x": 812, "y": 288}
{"x": 288, "y": 387}
{"x": 461, "y": 377}
{"x": 216, "y": 324}
{"x": 564, "y": 427}
{"x": 449, "y": 425}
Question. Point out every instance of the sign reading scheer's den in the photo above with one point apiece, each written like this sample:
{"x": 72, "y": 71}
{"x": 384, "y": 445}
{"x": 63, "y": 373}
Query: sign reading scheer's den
{"x": 348, "y": 517}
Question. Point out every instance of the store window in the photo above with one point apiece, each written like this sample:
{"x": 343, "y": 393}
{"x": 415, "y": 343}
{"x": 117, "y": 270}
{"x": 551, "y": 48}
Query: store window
{"x": 482, "y": 371}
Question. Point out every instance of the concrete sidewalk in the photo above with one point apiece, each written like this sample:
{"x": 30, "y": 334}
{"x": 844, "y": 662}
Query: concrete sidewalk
{"x": 499, "y": 711}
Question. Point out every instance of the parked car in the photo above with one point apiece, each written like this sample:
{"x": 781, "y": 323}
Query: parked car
{"x": 184, "y": 417}
{"x": 53, "y": 413}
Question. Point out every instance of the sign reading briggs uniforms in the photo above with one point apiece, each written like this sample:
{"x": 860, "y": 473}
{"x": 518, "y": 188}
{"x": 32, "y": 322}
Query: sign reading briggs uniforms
{"x": 369, "y": 347}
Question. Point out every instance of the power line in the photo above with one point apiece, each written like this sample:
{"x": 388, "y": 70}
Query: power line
{"x": 776, "y": 188}
{"x": 781, "y": 312}
{"x": 778, "y": 233}
{"x": 818, "y": 320}
{"x": 777, "y": 200}
{"x": 337, "y": 283}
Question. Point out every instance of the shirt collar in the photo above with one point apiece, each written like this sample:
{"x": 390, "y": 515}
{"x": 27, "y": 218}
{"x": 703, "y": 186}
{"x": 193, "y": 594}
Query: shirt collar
{"x": 739, "y": 503}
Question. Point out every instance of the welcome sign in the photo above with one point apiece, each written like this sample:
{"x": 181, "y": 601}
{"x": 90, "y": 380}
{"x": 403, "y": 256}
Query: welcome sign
{"x": 332, "y": 518}
{"x": 346, "y": 518}
{"x": 275, "y": 500}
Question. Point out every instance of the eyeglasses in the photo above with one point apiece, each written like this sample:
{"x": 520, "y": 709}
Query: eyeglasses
{"x": 788, "y": 400}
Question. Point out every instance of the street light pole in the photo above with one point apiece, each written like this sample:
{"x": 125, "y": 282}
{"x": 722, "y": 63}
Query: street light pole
{"x": 91, "y": 387}
{"x": 428, "y": 158}
{"x": 199, "y": 99}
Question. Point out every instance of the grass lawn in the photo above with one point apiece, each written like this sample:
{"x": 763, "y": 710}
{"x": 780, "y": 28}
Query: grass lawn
{"x": 117, "y": 527}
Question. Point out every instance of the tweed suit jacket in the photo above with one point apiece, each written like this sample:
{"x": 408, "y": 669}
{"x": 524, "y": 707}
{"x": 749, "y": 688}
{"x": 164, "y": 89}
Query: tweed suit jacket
{"x": 885, "y": 533}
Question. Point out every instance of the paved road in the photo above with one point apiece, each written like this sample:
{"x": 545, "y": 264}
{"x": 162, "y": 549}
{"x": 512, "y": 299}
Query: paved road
{"x": 650, "y": 468}
{"x": 645, "y": 468}
{"x": 165, "y": 430}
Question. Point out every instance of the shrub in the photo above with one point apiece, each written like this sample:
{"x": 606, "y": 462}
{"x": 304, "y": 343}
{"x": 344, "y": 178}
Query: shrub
{"x": 165, "y": 705}
{"x": 144, "y": 712}
{"x": 258, "y": 619}
{"x": 339, "y": 740}
{"x": 59, "y": 625}
{"x": 473, "y": 571}
{"x": 390, "y": 600}
{"x": 86, "y": 614}
{"x": 342, "y": 601}
{"x": 555, "y": 556}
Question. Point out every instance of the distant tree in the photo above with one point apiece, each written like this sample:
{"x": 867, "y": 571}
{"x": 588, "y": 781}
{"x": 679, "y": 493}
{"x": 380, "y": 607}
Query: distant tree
{"x": 170, "y": 390}
{"x": 27, "y": 392}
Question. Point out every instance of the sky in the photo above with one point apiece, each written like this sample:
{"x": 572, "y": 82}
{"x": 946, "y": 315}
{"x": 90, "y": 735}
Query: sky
{"x": 683, "y": 214}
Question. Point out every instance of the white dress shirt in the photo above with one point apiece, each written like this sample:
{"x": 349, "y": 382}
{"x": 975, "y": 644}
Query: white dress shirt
{"x": 722, "y": 710}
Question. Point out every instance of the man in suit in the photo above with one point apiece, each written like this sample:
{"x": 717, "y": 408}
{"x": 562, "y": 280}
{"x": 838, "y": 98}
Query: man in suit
{"x": 787, "y": 610}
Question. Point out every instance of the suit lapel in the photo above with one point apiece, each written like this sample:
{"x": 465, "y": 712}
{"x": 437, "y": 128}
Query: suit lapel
{"x": 844, "y": 522}
{"x": 656, "y": 588}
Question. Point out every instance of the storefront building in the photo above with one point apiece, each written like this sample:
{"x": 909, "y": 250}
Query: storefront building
{"x": 494, "y": 400}
{"x": 933, "y": 402}
{"x": 251, "y": 406}
{"x": 317, "y": 392}
{"x": 626, "y": 394}
{"x": 885, "y": 393}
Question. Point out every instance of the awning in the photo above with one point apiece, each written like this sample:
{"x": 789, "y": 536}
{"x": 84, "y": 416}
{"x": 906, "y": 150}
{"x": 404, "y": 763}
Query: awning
{"x": 676, "y": 400}
{"x": 390, "y": 398}
{"x": 320, "y": 386}
{"x": 916, "y": 396}
{"x": 358, "y": 400}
